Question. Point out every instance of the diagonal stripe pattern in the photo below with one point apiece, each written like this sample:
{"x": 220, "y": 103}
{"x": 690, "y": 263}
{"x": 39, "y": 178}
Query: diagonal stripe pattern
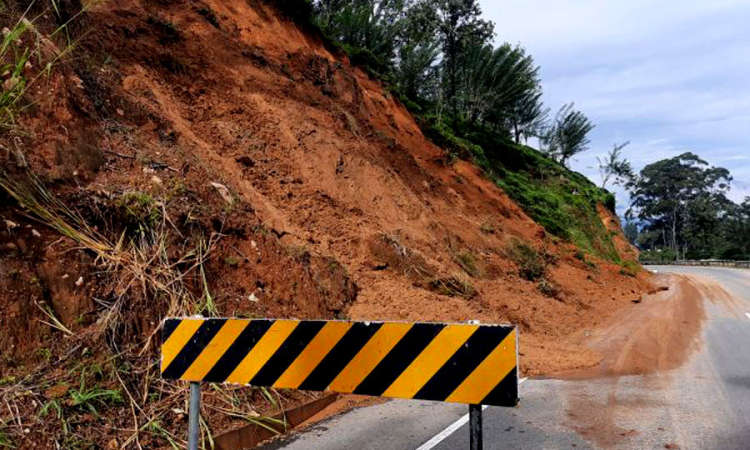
{"x": 460, "y": 363}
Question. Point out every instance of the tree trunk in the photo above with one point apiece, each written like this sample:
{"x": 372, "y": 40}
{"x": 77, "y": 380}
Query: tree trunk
{"x": 675, "y": 247}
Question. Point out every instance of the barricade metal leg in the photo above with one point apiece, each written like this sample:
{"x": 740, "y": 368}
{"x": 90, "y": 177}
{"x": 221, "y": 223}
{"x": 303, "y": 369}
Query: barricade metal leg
{"x": 475, "y": 427}
{"x": 194, "y": 415}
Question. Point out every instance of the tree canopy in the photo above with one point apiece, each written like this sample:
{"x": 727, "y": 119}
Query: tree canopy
{"x": 681, "y": 202}
{"x": 440, "y": 56}
{"x": 568, "y": 134}
{"x": 614, "y": 167}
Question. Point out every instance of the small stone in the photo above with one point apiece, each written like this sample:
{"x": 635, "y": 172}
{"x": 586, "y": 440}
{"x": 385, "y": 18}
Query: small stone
{"x": 35, "y": 233}
{"x": 77, "y": 81}
{"x": 224, "y": 192}
{"x": 120, "y": 112}
{"x": 65, "y": 277}
{"x": 26, "y": 430}
{"x": 10, "y": 83}
{"x": 253, "y": 298}
{"x": 10, "y": 224}
{"x": 79, "y": 282}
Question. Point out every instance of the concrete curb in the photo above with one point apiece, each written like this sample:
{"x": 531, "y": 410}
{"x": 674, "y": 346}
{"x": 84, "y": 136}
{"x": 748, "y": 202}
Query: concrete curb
{"x": 251, "y": 435}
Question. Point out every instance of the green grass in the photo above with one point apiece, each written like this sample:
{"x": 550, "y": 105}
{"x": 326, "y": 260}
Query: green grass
{"x": 466, "y": 260}
{"x": 141, "y": 209}
{"x": 629, "y": 268}
{"x": 5, "y": 441}
{"x": 562, "y": 201}
{"x": 90, "y": 397}
{"x": 531, "y": 265}
{"x": 21, "y": 49}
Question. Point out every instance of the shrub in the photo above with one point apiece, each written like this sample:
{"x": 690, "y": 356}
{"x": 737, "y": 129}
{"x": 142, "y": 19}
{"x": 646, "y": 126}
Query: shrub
{"x": 166, "y": 31}
{"x": 531, "y": 266}
{"x": 549, "y": 288}
{"x": 466, "y": 260}
{"x": 141, "y": 210}
{"x": 487, "y": 228}
{"x": 210, "y": 16}
{"x": 456, "y": 285}
{"x": 629, "y": 268}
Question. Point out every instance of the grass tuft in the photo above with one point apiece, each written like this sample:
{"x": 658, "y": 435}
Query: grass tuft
{"x": 531, "y": 265}
{"x": 26, "y": 56}
{"x": 89, "y": 397}
{"x": 466, "y": 260}
{"x": 456, "y": 285}
{"x": 142, "y": 266}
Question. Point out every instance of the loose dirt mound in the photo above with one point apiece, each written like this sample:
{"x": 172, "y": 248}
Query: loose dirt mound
{"x": 660, "y": 334}
{"x": 226, "y": 118}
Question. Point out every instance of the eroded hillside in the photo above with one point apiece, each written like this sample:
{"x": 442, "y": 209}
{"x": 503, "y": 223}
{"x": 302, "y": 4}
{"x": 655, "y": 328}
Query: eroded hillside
{"x": 213, "y": 158}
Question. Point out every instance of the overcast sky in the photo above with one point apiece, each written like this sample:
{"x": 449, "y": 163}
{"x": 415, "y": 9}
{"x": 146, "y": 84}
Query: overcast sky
{"x": 668, "y": 76}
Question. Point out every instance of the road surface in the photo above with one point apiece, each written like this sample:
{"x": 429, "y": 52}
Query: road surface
{"x": 702, "y": 404}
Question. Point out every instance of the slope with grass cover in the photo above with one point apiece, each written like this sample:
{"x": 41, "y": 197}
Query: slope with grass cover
{"x": 219, "y": 158}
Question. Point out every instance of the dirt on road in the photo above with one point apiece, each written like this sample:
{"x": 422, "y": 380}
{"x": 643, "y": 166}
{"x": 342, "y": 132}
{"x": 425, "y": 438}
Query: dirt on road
{"x": 239, "y": 156}
{"x": 653, "y": 339}
{"x": 659, "y": 334}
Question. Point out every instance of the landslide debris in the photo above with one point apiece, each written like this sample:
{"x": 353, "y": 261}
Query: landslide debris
{"x": 168, "y": 158}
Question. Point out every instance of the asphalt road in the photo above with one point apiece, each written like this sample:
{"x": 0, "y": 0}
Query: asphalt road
{"x": 704, "y": 404}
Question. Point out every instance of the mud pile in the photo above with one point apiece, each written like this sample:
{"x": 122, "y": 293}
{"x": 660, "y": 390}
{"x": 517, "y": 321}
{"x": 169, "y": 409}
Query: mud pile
{"x": 315, "y": 187}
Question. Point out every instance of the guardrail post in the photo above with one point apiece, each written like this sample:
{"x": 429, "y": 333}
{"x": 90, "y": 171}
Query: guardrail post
{"x": 475, "y": 427}
{"x": 194, "y": 415}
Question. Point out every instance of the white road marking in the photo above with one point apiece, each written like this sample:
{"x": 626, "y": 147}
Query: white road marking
{"x": 447, "y": 432}
{"x": 440, "y": 437}
{"x": 748, "y": 315}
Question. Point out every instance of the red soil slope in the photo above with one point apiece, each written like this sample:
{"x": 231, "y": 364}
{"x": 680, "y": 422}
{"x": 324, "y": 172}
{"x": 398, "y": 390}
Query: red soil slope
{"x": 321, "y": 155}
{"x": 339, "y": 205}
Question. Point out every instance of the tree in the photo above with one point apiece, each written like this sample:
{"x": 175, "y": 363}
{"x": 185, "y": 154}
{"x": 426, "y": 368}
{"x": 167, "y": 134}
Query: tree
{"x": 681, "y": 201}
{"x": 418, "y": 51}
{"x": 568, "y": 134}
{"x": 460, "y": 26}
{"x": 614, "y": 167}
{"x": 498, "y": 84}
{"x": 735, "y": 233}
{"x": 528, "y": 116}
{"x": 630, "y": 229}
{"x": 368, "y": 29}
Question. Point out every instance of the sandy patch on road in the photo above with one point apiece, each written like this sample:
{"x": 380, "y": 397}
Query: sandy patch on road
{"x": 659, "y": 334}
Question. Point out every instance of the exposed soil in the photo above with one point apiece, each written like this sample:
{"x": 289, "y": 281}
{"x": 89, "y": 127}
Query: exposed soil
{"x": 657, "y": 335}
{"x": 327, "y": 202}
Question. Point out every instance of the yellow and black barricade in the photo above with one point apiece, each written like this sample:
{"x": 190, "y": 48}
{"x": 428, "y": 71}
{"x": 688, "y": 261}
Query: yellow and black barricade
{"x": 464, "y": 363}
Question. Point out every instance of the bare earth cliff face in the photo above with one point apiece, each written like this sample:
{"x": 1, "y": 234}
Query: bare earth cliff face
{"x": 327, "y": 201}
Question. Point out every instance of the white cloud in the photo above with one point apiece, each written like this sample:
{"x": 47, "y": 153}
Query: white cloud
{"x": 669, "y": 76}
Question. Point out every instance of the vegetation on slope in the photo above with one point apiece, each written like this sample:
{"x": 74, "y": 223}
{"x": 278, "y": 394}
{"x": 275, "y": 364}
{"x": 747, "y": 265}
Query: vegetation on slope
{"x": 477, "y": 102}
{"x": 562, "y": 201}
